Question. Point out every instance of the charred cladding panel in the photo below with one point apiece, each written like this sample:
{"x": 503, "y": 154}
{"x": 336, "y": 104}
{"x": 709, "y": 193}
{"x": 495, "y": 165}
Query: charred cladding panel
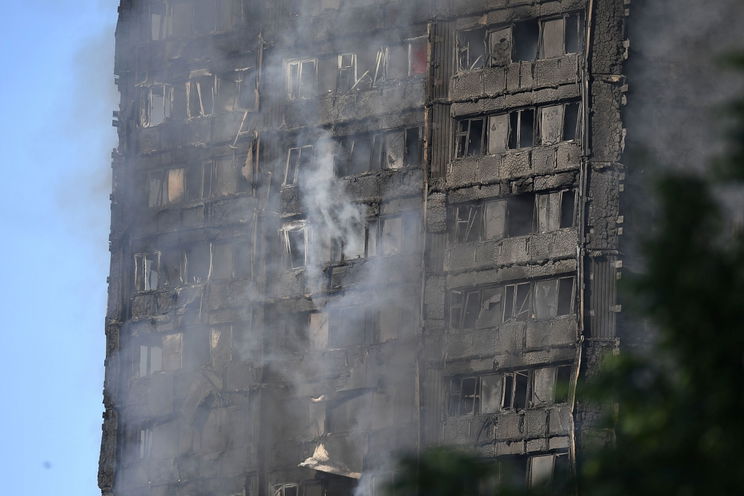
{"x": 342, "y": 229}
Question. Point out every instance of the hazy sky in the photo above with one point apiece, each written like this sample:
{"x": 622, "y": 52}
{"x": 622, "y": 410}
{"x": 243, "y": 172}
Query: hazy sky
{"x": 56, "y": 135}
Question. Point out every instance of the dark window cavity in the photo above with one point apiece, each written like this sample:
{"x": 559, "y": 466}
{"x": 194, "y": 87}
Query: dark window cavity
{"x": 471, "y": 137}
{"x": 526, "y": 37}
{"x": 471, "y": 47}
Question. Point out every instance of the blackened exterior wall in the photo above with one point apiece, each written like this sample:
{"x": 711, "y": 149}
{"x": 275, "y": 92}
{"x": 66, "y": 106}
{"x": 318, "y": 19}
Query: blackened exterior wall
{"x": 343, "y": 229}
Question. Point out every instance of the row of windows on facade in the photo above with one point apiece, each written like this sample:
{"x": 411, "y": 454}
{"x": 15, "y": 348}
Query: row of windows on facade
{"x": 518, "y": 215}
{"x": 344, "y": 328}
{"x": 520, "y": 42}
{"x": 522, "y": 128}
{"x": 509, "y": 391}
{"x": 219, "y": 177}
{"x": 490, "y": 306}
{"x": 194, "y": 264}
{"x": 386, "y": 236}
{"x": 368, "y": 68}
{"x": 178, "y": 18}
{"x": 164, "y": 353}
{"x": 204, "y": 94}
{"x": 357, "y": 154}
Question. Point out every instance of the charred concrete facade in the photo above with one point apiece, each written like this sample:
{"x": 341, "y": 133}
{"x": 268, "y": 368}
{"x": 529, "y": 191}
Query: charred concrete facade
{"x": 346, "y": 229}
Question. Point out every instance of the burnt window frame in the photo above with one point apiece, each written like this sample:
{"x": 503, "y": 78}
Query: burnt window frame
{"x": 473, "y": 225}
{"x": 463, "y": 51}
{"x": 194, "y": 86}
{"x": 295, "y": 90}
{"x": 509, "y": 390}
{"x": 344, "y": 71}
{"x": 514, "y": 141}
{"x": 141, "y": 281}
{"x": 456, "y": 398}
{"x": 579, "y": 26}
{"x": 289, "y": 166}
{"x": 147, "y": 103}
{"x": 518, "y": 313}
{"x": 410, "y": 45}
{"x": 465, "y": 152}
{"x": 288, "y": 257}
{"x": 280, "y": 489}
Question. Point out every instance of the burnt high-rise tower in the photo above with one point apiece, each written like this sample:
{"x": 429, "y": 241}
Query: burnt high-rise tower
{"x": 342, "y": 229}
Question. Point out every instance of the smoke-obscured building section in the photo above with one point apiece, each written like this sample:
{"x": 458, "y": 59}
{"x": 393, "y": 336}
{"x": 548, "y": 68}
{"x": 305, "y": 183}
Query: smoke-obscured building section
{"x": 347, "y": 229}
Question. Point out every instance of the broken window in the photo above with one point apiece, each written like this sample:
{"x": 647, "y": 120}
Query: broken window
{"x": 554, "y": 297}
{"x": 146, "y": 271}
{"x": 571, "y": 121}
{"x": 197, "y": 185}
{"x": 165, "y": 187}
{"x": 471, "y": 49}
{"x": 555, "y": 210}
{"x": 285, "y": 490}
{"x": 237, "y": 91}
{"x": 515, "y": 390}
{"x": 144, "y": 443}
{"x": 522, "y": 128}
{"x": 517, "y": 302}
{"x": 380, "y": 74}
{"x": 343, "y": 414}
{"x": 220, "y": 346}
{"x": 498, "y": 133}
{"x": 200, "y": 92}
{"x": 417, "y": 56}
{"x": 561, "y": 36}
{"x": 470, "y": 137}
{"x": 464, "y": 396}
{"x": 157, "y": 105}
{"x": 525, "y": 41}
{"x": 520, "y": 212}
{"x": 500, "y": 46}
{"x": 161, "y": 353}
{"x": 347, "y": 71}
{"x": 302, "y": 79}
{"x": 562, "y": 384}
{"x": 157, "y": 21}
{"x": 372, "y": 235}
{"x": 295, "y": 240}
{"x": 468, "y": 223}
{"x": 225, "y": 176}
{"x": 475, "y": 308}
{"x": 495, "y": 219}
{"x": 559, "y": 123}
{"x": 543, "y": 468}
{"x": 413, "y": 147}
{"x": 197, "y": 263}
{"x": 298, "y": 158}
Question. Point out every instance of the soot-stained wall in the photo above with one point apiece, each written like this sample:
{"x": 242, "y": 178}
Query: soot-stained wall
{"x": 348, "y": 229}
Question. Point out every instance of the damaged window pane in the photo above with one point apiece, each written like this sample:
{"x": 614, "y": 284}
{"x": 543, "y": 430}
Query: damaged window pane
{"x": 302, "y": 79}
{"x": 347, "y": 71}
{"x": 540, "y": 470}
{"x": 294, "y": 239}
{"x": 552, "y": 38}
{"x": 526, "y": 36}
{"x": 298, "y": 158}
{"x": 197, "y": 263}
{"x": 417, "y": 58}
{"x": 223, "y": 263}
{"x": 225, "y": 176}
{"x": 220, "y": 346}
{"x": 551, "y": 124}
{"x": 549, "y": 211}
{"x": 565, "y": 296}
{"x": 495, "y": 219}
{"x": 517, "y": 302}
{"x": 571, "y": 121}
{"x": 568, "y": 216}
{"x": 543, "y": 386}
{"x": 157, "y": 105}
{"x": 468, "y": 223}
{"x": 471, "y": 50}
{"x": 200, "y": 96}
{"x": 146, "y": 271}
{"x": 562, "y": 384}
{"x": 144, "y": 443}
{"x": 464, "y": 396}
{"x": 157, "y": 21}
{"x": 574, "y": 41}
{"x": 500, "y": 46}
{"x": 515, "y": 390}
{"x": 470, "y": 137}
{"x": 172, "y": 351}
{"x": 414, "y": 147}
{"x": 520, "y": 215}
{"x": 285, "y": 490}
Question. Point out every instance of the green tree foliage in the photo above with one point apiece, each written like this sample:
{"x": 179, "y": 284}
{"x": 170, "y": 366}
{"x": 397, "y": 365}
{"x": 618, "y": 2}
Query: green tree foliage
{"x": 676, "y": 415}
